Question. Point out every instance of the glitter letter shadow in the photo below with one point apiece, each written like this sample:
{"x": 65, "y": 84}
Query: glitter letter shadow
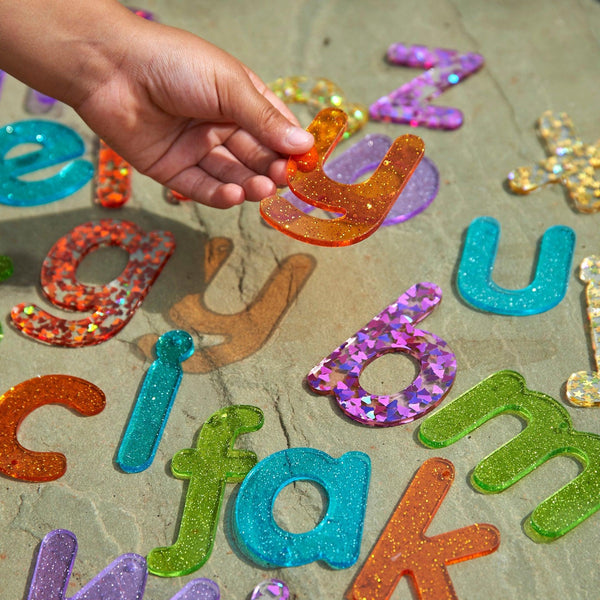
{"x": 244, "y": 332}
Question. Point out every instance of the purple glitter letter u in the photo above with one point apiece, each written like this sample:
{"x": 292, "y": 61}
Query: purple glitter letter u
{"x": 392, "y": 330}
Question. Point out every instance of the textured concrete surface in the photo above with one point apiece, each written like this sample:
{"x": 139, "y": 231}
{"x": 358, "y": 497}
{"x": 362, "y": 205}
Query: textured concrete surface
{"x": 539, "y": 55}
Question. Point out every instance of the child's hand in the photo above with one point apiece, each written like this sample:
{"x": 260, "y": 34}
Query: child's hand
{"x": 177, "y": 108}
{"x": 194, "y": 118}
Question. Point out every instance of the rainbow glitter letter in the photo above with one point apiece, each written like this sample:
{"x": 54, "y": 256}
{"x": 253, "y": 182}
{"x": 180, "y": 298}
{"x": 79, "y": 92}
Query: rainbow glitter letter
{"x": 392, "y": 330}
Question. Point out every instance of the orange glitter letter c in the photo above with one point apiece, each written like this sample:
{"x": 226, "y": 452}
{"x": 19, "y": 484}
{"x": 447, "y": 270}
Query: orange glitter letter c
{"x": 20, "y": 401}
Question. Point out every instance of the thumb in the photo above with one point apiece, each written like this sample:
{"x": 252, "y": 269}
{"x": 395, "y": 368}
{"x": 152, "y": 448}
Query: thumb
{"x": 257, "y": 109}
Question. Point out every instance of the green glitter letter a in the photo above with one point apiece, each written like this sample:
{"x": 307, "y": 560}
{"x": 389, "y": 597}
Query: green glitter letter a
{"x": 213, "y": 463}
{"x": 548, "y": 433}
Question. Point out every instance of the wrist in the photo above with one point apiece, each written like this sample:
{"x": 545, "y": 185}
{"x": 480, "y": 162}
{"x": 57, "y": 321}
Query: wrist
{"x": 64, "y": 49}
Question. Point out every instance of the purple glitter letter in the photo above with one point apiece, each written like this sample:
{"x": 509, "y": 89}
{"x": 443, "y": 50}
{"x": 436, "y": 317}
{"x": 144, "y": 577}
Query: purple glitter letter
{"x": 364, "y": 157}
{"x": 392, "y": 330}
{"x": 410, "y": 103}
{"x": 124, "y": 579}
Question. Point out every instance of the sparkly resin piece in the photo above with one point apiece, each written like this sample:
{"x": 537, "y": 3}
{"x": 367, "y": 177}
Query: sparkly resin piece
{"x": 319, "y": 94}
{"x": 363, "y": 157}
{"x": 113, "y": 178}
{"x": 244, "y": 332}
{"x": 363, "y": 206}
{"x": 123, "y": 579}
{"x": 583, "y": 387}
{"x": 112, "y": 305}
{"x": 392, "y": 330}
{"x": 410, "y": 103}
{"x": 37, "y": 103}
{"x": 548, "y": 433}
{"x": 20, "y": 401}
{"x": 572, "y": 164}
{"x": 154, "y": 402}
{"x": 199, "y": 589}
{"x": 548, "y": 288}
{"x": 208, "y": 467}
{"x": 58, "y": 144}
{"x": 404, "y": 549}
{"x": 335, "y": 540}
{"x": 145, "y": 14}
{"x": 271, "y": 589}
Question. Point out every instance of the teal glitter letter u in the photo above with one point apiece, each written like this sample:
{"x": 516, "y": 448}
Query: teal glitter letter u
{"x": 548, "y": 287}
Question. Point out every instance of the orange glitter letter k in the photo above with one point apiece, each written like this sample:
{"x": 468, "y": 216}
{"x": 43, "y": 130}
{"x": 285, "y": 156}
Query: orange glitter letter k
{"x": 404, "y": 549}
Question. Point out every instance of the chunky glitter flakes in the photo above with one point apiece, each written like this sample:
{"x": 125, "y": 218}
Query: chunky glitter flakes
{"x": 245, "y": 332}
{"x": 112, "y": 305}
{"x": 317, "y": 94}
{"x": 208, "y": 467}
{"x": 410, "y": 103}
{"x": 58, "y": 144}
{"x": 392, "y": 330}
{"x": 113, "y": 178}
{"x": 154, "y": 402}
{"x": 572, "y": 163}
{"x": 271, "y": 589}
{"x": 548, "y": 288}
{"x": 404, "y": 549}
{"x": 123, "y": 579}
{"x": 583, "y": 387}
{"x": 363, "y": 157}
{"x": 336, "y": 538}
{"x": 549, "y": 433}
{"x": 363, "y": 206}
{"x": 20, "y": 401}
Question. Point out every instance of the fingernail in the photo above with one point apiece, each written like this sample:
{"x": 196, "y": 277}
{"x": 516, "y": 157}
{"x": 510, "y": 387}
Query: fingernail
{"x": 299, "y": 137}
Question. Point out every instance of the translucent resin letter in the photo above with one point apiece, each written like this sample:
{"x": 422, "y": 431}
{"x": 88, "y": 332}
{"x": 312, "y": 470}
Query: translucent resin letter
{"x": 58, "y": 144}
{"x": 572, "y": 164}
{"x": 154, "y": 402}
{"x": 411, "y": 104}
{"x": 335, "y": 540}
{"x": 583, "y": 387}
{"x": 213, "y": 463}
{"x": 20, "y": 401}
{"x": 548, "y": 433}
{"x": 112, "y": 305}
{"x": 404, "y": 548}
{"x": 548, "y": 287}
{"x": 123, "y": 579}
{"x": 392, "y": 330}
{"x": 363, "y": 206}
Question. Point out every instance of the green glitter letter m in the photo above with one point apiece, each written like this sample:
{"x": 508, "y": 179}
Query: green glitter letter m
{"x": 213, "y": 463}
{"x": 548, "y": 433}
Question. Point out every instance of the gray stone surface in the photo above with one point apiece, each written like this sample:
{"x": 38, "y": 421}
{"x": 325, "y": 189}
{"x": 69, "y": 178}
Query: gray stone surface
{"x": 539, "y": 55}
